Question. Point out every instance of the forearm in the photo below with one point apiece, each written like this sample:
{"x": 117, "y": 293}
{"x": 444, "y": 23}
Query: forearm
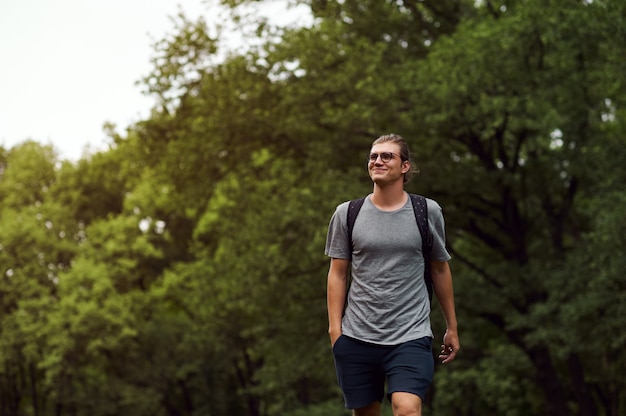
{"x": 336, "y": 295}
{"x": 442, "y": 285}
{"x": 443, "y": 288}
{"x": 336, "y": 301}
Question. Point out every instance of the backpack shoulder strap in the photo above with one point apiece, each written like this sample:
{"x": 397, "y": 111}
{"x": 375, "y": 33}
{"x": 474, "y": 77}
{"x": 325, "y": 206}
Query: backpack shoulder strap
{"x": 420, "y": 209}
{"x": 353, "y": 210}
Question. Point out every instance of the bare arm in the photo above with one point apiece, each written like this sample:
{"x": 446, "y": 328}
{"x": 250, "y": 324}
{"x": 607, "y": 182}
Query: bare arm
{"x": 442, "y": 285}
{"x": 336, "y": 296}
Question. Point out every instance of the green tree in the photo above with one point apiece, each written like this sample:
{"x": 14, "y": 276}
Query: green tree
{"x": 517, "y": 102}
{"x": 34, "y": 249}
{"x": 181, "y": 272}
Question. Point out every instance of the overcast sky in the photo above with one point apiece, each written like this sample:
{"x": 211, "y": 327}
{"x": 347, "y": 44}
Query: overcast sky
{"x": 69, "y": 66}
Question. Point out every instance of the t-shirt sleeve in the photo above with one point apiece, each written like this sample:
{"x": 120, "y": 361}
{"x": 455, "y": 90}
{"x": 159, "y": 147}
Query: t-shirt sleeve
{"x": 437, "y": 227}
{"x": 337, "y": 244}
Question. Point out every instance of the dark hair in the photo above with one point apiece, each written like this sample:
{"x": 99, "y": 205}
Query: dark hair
{"x": 405, "y": 154}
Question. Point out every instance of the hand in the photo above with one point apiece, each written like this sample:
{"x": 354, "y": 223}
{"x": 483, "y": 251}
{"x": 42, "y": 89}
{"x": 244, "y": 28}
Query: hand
{"x": 334, "y": 336}
{"x": 450, "y": 347}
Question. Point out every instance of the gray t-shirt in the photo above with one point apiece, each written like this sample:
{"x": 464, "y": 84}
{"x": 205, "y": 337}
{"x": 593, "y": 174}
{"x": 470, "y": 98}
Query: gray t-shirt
{"x": 388, "y": 300}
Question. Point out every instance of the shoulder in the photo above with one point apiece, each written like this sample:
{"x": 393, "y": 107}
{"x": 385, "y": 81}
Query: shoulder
{"x": 342, "y": 208}
{"x": 433, "y": 206}
{"x": 435, "y": 212}
{"x": 340, "y": 216}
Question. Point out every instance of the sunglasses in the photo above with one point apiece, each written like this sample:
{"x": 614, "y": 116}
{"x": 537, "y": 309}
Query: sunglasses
{"x": 384, "y": 156}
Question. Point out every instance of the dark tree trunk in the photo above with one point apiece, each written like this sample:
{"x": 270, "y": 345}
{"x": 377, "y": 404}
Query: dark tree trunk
{"x": 547, "y": 377}
{"x": 582, "y": 391}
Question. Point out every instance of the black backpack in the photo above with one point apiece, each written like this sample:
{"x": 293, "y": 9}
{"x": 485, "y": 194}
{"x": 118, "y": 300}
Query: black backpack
{"x": 421, "y": 216}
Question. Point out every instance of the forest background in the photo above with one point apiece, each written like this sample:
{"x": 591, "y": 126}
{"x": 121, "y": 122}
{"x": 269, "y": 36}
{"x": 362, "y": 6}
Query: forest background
{"x": 181, "y": 271}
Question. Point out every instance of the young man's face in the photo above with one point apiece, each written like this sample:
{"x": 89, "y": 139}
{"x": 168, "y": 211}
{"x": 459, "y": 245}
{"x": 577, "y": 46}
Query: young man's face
{"x": 385, "y": 164}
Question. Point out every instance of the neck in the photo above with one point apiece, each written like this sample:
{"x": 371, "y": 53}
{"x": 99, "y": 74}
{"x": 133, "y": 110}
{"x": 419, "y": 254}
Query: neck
{"x": 390, "y": 197}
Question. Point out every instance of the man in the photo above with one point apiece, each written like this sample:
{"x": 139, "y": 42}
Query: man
{"x": 384, "y": 332}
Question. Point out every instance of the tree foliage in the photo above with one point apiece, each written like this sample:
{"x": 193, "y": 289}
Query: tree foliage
{"x": 181, "y": 272}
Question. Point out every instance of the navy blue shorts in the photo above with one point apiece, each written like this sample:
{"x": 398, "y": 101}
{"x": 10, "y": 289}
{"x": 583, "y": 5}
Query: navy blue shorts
{"x": 362, "y": 369}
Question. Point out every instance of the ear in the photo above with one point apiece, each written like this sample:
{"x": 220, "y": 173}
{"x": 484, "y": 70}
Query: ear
{"x": 406, "y": 166}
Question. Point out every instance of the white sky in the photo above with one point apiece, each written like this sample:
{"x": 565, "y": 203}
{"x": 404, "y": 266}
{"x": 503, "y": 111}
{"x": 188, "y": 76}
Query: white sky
{"x": 69, "y": 66}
